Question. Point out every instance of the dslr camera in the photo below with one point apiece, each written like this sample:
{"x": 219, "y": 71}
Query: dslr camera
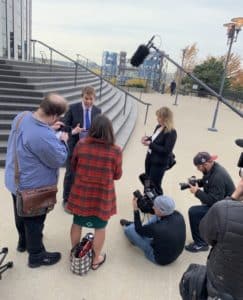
{"x": 191, "y": 181}
{"x": 145, "y": 201}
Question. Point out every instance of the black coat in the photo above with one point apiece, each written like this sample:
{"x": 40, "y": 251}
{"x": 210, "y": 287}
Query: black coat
{"x": 222, "y": 228}
{"x": 74, "y": 116}
{"x": 162, "y": 147}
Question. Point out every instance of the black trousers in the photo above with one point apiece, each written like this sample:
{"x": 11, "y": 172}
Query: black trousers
{"x": 196, "y": 213}
{"x": 30, "y": 230}
{"x": 68, "y": 180}
{"x": 155, "y": 173}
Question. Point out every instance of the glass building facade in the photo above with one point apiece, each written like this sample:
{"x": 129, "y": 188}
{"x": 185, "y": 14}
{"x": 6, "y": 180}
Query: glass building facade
{"x": 15, "y": 29}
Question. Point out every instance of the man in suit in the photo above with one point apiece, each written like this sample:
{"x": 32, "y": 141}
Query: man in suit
{"x": 79, "y": 118}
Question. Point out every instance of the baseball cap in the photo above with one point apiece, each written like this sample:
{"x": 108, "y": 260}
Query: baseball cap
{"x": 203, "y": 157}
{"x": 239, "y": 142}
{"x": 165, "y": 204}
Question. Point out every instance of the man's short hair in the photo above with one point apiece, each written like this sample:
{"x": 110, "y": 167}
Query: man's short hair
{"x": 54, "y": 104}
{"x": 203, "y": 157}
{"x": 89, "y": 90}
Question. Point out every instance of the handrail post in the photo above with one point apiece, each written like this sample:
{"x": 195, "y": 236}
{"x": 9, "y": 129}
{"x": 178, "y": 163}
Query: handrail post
{"x": 50, "y": 59}
{"x": 76, "y": 73}
{"x": 34, "y": 51}
{"x": 100, "y": 88}
{"x": 125, "y": 104}
{"x": 146, "y": 114}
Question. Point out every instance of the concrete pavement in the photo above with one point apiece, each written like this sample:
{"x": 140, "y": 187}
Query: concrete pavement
{"x": 126, "y": 274}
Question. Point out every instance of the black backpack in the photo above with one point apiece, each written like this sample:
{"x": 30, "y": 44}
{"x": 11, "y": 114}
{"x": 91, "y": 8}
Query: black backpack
{"x": 193, "y": 284}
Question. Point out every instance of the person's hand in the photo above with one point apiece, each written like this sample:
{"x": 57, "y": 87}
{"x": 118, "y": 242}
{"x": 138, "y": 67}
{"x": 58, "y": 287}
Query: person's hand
{"x": 64, "y": 137}
{"x": 77, "y": 129}
{"x": 145, "y": 141}
{"x": 57, "y": 125}
{"x": 134, "y": 203}
{"x": 194, "y": 188}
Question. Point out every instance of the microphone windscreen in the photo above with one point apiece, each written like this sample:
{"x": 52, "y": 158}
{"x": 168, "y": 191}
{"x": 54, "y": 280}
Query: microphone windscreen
{"x": 139, "y": 56}
{"x": 239, "y": 142}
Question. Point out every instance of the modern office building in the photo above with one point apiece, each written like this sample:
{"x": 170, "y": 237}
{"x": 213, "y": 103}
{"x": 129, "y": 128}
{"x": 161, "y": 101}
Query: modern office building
{"x": 109, "y": 64}
{"x": 15, "y": 29}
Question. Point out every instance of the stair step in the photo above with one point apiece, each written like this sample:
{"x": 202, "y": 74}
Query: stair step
{"x": 23, "y": 85}
{"x": 46, "y": 85}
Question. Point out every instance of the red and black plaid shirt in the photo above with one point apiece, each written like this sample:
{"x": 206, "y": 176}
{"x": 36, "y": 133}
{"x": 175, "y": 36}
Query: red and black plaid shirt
{"x": 96, "y": 165}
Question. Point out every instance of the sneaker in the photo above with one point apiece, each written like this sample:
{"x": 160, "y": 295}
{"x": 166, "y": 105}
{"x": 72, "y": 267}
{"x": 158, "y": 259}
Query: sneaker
{"x": 193, "y": 247}
{"x": 43, "y": 259}
{"x": 125, "y": 222}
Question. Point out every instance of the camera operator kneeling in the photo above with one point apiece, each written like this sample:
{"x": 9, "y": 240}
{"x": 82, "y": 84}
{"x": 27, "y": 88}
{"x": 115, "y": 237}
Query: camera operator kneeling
{"x": 162, "y": 238}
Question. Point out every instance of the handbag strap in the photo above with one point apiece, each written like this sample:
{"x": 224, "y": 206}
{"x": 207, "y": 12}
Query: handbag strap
{"x": 16, "y": 165}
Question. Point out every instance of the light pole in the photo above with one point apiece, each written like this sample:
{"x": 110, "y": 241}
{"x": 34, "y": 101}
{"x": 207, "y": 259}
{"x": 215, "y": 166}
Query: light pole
{"x": 233, "y": 29}
{"x": 179, "y": 77}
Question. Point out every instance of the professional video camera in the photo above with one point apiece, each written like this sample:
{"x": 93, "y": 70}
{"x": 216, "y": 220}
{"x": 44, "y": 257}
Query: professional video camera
{"x": 191, "y": 181}
{"x": 146, "y": 202}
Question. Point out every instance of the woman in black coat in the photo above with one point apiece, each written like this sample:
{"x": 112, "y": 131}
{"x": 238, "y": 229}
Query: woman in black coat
{"x": 160, "y": 146}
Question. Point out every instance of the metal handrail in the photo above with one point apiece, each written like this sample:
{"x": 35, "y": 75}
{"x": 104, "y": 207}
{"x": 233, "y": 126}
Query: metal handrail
{"x": 102, "y": 79}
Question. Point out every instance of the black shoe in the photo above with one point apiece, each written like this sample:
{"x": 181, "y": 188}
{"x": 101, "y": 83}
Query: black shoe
{"x": 43, "y": 259}
{"x": 21, "y": 247}
{"x": 193, "y": 247}
{"x": 125, "y": 222}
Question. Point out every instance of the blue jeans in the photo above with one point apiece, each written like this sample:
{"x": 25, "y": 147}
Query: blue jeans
{"x": 144, "y": 243}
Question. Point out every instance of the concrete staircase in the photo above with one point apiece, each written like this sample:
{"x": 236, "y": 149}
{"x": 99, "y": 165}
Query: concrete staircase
{"x": 23, "y": 85}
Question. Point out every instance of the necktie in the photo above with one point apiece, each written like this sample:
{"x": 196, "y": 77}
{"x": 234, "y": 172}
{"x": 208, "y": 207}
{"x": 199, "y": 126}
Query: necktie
{"x": 87, "y": 120}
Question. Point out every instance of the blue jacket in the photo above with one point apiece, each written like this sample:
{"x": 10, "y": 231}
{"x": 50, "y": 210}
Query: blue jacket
{"x": 39, "y": 152}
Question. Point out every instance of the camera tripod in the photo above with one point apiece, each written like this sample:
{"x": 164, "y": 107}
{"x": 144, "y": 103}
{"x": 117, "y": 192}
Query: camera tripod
{"x": 8, "y": 265}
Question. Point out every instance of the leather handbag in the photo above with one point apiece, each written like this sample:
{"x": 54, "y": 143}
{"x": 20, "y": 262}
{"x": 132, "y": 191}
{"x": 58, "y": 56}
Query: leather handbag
{"x": 36, "y": 202}
{"x": 32, "y": 202}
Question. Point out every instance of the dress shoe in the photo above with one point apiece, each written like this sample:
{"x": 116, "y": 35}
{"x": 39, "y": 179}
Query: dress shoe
{"x": 43, "y": 259}
{"x": 125, "y": 222}
{"x": 21, "y": 247}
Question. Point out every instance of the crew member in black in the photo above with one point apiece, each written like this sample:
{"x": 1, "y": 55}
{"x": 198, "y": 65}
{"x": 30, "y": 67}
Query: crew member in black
{"x": 216, "y": 184}
{"x": 162, "y": 239}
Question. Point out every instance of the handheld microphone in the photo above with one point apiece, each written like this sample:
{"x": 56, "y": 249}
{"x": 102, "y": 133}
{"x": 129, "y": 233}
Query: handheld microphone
{"x": 141, "y": 53}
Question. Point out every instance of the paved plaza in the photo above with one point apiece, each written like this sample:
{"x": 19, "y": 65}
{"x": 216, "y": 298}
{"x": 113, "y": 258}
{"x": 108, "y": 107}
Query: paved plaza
{"x": 126, "y": 274}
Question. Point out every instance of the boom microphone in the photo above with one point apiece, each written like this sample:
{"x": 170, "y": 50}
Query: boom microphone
{"x": 141, "y": 53}
{"x": 139, "y": 56}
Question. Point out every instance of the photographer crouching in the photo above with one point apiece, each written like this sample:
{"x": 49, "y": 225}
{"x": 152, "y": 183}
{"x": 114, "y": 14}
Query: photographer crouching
{"x": 216, "y": 184}
{"x": 162, "y": 238}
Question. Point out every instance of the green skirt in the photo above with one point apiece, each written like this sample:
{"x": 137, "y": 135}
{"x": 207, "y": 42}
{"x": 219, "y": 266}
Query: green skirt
{"x": 90, "y": 222}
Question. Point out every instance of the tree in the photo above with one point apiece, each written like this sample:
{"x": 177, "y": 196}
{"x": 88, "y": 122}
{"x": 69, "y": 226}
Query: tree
{"x": 233, "y": 67}
{"x": 189, "y": 60}
{"x": 190, "y": 57}
{"x": 210, "y": 72}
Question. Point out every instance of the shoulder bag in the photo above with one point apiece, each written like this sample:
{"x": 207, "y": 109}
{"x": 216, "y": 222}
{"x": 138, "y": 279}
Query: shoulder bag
{"x": 32, "y": 202}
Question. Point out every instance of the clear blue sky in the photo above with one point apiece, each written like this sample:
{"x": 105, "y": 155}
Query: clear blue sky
{"x": 89, "y": 27}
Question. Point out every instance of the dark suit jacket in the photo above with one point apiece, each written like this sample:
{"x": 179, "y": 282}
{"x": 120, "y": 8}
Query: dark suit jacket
{"x": 162, "y": 147}
{"x": 74, "y": 116}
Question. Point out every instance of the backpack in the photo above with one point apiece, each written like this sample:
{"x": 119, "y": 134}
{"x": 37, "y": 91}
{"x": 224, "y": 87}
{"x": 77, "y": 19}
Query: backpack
{"x": 193, "y": 284}
{"x": 81, "y": 256}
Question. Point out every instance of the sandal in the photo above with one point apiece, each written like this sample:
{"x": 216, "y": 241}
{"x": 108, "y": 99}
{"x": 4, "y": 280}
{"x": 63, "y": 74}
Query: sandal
{"x": 96, "y": 266}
